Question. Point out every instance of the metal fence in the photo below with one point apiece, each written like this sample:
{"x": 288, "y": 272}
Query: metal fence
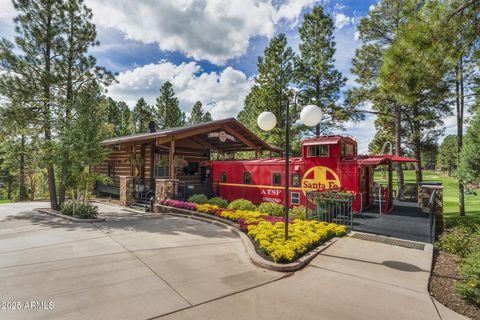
{"x": 433, "y": 215}
{"x": 336, "y": 207}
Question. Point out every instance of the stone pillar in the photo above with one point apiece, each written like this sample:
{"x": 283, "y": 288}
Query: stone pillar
{"x": 165, "y": 189}
{"x": 425, "y": 193}
{"x": 126, "y": 190}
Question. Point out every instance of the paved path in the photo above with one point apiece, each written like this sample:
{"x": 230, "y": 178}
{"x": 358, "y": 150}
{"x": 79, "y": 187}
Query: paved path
{"x": 143, "y": 267}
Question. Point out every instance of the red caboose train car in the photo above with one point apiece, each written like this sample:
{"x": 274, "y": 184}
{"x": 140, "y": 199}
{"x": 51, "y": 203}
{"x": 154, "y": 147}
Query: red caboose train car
{"x": 327, "y": 162}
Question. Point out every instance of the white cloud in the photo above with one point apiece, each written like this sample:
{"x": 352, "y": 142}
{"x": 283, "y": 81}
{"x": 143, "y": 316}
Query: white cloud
{"x": 342, "y": 20}
{"x": 214, "y": 30}
{"x": 221, "y": 93}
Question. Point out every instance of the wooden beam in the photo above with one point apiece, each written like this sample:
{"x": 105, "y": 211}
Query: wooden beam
{"x": 187, "y": 134}
{"x": 240, "y": 137}
{"x": 204, "y": 144}
{"x": 171, "y": 158}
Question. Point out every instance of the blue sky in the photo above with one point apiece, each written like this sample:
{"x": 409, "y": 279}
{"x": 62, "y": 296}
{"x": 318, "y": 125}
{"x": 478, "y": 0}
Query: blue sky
{"x": 207, "y": 48}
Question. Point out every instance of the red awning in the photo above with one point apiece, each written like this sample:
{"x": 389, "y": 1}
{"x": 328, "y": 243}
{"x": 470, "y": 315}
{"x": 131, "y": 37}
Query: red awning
{"x": 402, "y": 159}
{"x": 372, "y": 161}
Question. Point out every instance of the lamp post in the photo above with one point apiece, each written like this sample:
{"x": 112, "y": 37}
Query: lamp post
{"x": 310, "y": 115}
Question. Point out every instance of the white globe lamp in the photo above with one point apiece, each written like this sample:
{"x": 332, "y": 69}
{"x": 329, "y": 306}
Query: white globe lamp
{"x": 311, "y": 115}
{"x": 266, "y": 121}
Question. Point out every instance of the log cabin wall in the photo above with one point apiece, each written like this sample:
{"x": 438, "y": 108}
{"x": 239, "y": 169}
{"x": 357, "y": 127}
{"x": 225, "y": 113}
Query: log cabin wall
{"x": 119, "y": 163}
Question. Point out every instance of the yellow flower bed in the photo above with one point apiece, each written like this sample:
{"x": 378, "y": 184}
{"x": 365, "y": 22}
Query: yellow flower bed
{"x": 303, "y": 235}
{"x": 237, "y": 214}
{"x": 206, "y": 208}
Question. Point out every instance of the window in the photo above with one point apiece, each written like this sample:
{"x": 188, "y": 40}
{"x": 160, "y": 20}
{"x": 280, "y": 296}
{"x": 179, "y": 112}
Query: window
{"x": 223, "y": 176}
{"x": 348, "y": 150}
{"x": 111, "y": 169}
{"x": 160, "y": 165}
{"x": 295, "y": 198}
{"x": 276, "y": 179}
{"x": 295, "y": 180}
{"x": 318, "y": 151}
{"x": 247, "y": 177}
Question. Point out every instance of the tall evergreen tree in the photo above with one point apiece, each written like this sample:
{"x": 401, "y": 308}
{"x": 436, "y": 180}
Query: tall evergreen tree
{"x": 315, "y": 71}
{"x": 118, "y": 116}
{"x": 77, "y": 70}
{"x": 447, "y": 154}
{"x": 142, "y": 114}
{"x": 197, "y": 116}
{"x": 271, "y": 91}
{"x": 377, "y": 31}
{"x": 167, "y": 110}
{"x": 32, "y": 68}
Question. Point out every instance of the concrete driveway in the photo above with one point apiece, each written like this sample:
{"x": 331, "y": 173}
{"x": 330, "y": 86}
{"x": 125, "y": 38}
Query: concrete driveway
{"x": 138, "y": 266}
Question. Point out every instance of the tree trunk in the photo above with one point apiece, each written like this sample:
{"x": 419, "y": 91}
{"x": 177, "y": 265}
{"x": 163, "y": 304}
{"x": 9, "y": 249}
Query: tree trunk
{"x": 9, "y": 189}
{"x": 69, "y": 101}
{"x": 47, "y": 113}
{"x": 398, "y": 149}
{"x": 417, "y": 145}
{"x": 460, "y": 108}
{"x": 32, "y": 187}
{"x": 22, "y": 192}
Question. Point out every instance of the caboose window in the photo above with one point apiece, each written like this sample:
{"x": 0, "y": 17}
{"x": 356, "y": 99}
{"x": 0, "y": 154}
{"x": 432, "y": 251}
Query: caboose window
{"x": 223, "y": 176}
{"x": 295, "y": 198}
{"x": 295, "y": 180}
{"x": 276, "y": 179}
{"x": 318, "y": 151}
{"x": 247, "y": 177}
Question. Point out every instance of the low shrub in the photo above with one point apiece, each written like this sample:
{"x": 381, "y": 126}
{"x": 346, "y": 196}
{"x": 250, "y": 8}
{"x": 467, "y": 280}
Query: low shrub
{"x": 85, "y": 210}
{"x": 207, "y": 208}
{"x": 272, "y": 209}
{"x": 242, "y": 204}
{"x": 303, "y": 236}
{"x": 198, "y": 198}
{"x": 218, "y": 201}
{"x": 469, "y": 288}
{"x": 297, "y": 212}
{"x": 460, "y": 240}
{"x": 179, "y": 204}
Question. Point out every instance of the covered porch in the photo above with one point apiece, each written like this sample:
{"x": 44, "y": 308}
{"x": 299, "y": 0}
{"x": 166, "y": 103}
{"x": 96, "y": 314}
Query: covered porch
{"x": 139, "y": 164}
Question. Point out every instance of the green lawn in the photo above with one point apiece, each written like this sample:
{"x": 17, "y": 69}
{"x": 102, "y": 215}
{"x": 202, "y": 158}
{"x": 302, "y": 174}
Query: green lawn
{"x": 4, "y": 201}
{"x": 450, "y": 194}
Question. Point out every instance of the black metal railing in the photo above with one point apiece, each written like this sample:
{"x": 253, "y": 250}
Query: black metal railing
{"x": 336, "y": 207}
{"x": 433, "y": 215}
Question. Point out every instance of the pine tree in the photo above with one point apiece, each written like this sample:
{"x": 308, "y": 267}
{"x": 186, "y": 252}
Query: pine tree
{"x": 32, "y": 74}
{"x": 77, "y": 70}
{"x": 469, "y": 165}
{"x": 447, "y": 154}
{"x": 197, "y": 115}
{"x": 207, "y": 117}
{"x": 271, "y": 91}
{"x": 167, "y": 110}
{"x": 377, "y": 32}
{"x": 315, "y": 71}
{"x": 142, "y": 114}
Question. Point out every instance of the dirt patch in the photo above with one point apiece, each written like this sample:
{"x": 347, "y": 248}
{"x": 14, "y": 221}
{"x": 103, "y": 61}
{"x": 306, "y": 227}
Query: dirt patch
{"x": 445, "y": 275}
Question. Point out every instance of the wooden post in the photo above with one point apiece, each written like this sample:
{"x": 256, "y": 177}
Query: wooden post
{"x": 171, "y": 158}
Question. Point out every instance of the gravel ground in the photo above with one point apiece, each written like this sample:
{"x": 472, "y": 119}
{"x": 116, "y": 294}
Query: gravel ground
{"x": 442, "y": 285}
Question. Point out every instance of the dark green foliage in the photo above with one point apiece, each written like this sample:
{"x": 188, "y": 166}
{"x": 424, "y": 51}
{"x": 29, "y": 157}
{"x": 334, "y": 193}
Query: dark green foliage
{"x": 198, "y": 116}
{"x": 119, "y": 117}
{"x": 167, "y": 109}
{"x": 218, "y": 201}
{"x": 242, "y": 204}
{"x": 469, "y": 166}
{"x": 142, "y": 114}
{"x": 85, "y": 210}
{"x": 315, "y": 71}
{"x": 271, "y": 91}
{"x": 448, "y": 154}
{"x": 461, "y": 240}
{"x": 297, "y": 212}
{"x": 272, "y": 209}
{"x": 198, "y": 198}
{"x": 469, "y": 287}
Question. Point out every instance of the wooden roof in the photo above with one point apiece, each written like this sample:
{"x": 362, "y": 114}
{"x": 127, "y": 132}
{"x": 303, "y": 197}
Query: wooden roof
{"x": 243, "y": 138}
